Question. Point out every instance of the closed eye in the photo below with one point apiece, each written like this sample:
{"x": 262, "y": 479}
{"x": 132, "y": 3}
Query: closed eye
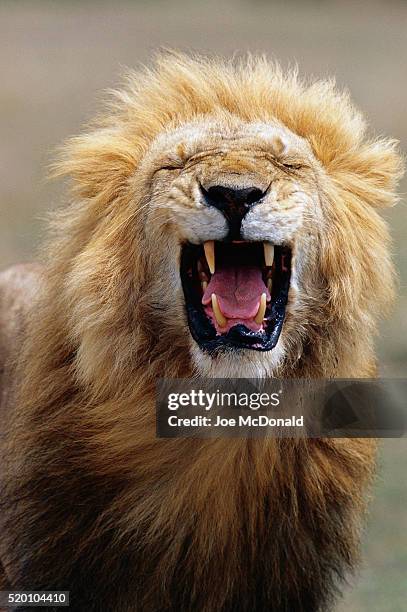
{"x": 286, "y": 164}
{"x": 292, "y": 166}
{"x": 170, "y": 168}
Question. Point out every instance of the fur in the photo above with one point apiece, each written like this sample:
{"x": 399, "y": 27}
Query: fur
{"x": 91, "y": 500}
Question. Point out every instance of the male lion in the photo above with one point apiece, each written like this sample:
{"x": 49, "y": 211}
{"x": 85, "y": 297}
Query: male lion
{"x": 223, "y": 223}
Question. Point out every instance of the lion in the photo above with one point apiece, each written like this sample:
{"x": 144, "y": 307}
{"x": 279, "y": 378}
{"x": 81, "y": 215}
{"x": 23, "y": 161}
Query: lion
{"x": 223, "y": 223}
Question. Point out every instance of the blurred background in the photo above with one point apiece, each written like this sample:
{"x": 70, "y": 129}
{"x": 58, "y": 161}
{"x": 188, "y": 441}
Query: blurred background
{"x": 57, "y": 58}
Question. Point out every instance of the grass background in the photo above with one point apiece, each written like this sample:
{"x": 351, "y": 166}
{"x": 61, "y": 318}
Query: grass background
{"x": 57, "y": 57}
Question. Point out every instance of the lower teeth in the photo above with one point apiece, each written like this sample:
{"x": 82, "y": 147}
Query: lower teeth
{"x": 221, "y": 320}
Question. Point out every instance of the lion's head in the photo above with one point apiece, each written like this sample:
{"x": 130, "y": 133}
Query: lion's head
{"x": 230, "y": 212}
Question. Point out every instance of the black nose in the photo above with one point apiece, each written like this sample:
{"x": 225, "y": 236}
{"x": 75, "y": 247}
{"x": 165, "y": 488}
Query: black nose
{"x": 233, "y": 203}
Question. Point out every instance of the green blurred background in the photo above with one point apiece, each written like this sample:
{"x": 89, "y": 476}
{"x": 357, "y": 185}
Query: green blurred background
{"x": 57, "y": 58}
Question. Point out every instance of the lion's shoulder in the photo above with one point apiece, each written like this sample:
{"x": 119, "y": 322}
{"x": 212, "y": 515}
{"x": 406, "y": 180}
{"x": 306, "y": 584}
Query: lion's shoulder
{"x": 19, "y": 286}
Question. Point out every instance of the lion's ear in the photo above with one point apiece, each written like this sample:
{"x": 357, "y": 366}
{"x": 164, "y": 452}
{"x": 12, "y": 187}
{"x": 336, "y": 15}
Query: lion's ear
{"x": 98, "y": 162}
{"x": 372, "y": 172}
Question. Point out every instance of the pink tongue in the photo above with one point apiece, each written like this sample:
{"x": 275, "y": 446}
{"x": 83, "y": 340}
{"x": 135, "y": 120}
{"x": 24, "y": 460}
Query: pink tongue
{"x": 238, "y": 290}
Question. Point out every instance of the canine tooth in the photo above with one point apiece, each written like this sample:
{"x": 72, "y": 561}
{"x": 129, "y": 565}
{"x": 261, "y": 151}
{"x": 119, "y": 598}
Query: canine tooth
{"x": 262, "y": 309}
{"x": 269, "y": 284}
{"x": 217, "y": 311}
{"x": 209, "y": 248}
{"x": 204, "y": 285}
{"x": 268, "y": 253}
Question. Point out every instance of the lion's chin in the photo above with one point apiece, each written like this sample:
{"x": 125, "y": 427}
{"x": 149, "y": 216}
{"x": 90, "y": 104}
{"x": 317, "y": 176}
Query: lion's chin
{"x": 235, "y": 294}
{"x": 237, "y": 363}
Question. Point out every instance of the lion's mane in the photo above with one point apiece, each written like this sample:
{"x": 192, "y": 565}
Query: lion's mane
{"x": 91, "y": 500}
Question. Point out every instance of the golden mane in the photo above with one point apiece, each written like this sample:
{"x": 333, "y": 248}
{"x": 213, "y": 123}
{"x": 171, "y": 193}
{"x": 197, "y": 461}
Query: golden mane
{"x": 92, "y": 501}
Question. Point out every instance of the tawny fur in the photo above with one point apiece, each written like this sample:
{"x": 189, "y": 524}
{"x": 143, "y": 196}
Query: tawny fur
{"x": 91, "y": 500}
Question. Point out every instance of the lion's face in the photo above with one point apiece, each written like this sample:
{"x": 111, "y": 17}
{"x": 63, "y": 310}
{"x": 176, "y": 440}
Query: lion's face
{"x": 236, "y": 211}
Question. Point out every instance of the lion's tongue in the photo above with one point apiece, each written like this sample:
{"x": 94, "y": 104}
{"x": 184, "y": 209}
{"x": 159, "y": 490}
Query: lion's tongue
{"x": 238, "y": 290}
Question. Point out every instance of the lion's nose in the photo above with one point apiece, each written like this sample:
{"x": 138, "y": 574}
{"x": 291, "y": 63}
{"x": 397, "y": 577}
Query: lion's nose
{"x": 234, "y": 204}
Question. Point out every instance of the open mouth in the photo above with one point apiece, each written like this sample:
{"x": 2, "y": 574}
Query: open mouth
{"x": 236, "y": 293}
